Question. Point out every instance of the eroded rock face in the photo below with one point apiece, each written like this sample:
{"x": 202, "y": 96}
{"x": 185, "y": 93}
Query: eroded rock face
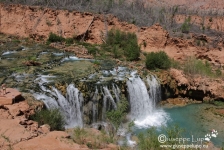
{"x": 56, "y": 140}
{"x": 175, "y": 83}
{"x": 38, "y": 22}
{"x": 11, "y": 96}
{"x": 154, "y": 37}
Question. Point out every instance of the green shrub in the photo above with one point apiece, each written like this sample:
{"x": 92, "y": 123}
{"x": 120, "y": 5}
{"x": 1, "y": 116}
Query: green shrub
{"x": 158, "y": 60}
{"x": 218, "y": 72}
{"x": 149, "y": 139}
{"x": 79, "y": 135}
{"x": 194, "y": 66}
{"x": 69, "y": 41}
{"x": 51, "y": 117}
{"x": 123, "y": 44}
{"x": 175, "y": 64}
{"x": 55, "y": 38}
{"x": 117, "y": 116}
{"x": 92, "y": 48}
{"x": 185, "y": 28}
{"x": 218, "y": 103}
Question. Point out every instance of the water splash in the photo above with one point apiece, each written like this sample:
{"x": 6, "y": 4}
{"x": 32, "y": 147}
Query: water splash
{"x": 143, "y": 105}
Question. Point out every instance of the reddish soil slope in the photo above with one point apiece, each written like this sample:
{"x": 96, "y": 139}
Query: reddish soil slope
{"x": 38, "y": 22}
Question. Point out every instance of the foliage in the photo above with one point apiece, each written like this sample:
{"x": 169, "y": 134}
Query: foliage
{"x": 158, "y": 60}
{"x": 149, "y": 139}
{"x": 79, "y": 135}
{"x": 91, "y": 138}
{"x": 123, "y": 44}
{"x": 116, "y": 116}
{"x": 218, "y": 72}
{"x": 92, "y": 48}
{"x": 55, "y": 38}
{"x": 51, "y": 117}
{"x": 185, "y": 28}
{"x": 175, "y": 64}
{"x": 69, "y": 41}
{"x": 218, "y": 103}
{"x": 194, "y": 66}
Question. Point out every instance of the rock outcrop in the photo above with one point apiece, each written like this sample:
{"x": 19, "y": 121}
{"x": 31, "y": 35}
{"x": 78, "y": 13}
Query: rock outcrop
{"x": 18, "y": 132}
{"x": 175, "y": 83}
{"x": 11, "y": 96}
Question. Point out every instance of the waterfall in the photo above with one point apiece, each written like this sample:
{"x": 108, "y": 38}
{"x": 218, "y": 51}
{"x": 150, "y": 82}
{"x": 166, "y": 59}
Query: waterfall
{"x": 107, "y": 96}
{"x": 143, "y": 103}
{"x": 70, "y": 106}
{"x": 154, "y": 90}
{"x": 95, "y": 109}
{"x": 116, "y": 92}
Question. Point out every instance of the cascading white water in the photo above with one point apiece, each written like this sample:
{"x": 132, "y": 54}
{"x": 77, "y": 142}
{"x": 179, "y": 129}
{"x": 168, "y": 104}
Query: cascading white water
{"x": 116, "y": 92}
{"x": 95, "y": 109}
{"x": 70, "y": 106}
{"x": 141, "y": 105}
{"x": 154, "y": 90}
{"x": 143, "y": 109}
{"x": 107, "y": 96}
{"x": 49, "y": 102}
{"x": 74, "y": 105}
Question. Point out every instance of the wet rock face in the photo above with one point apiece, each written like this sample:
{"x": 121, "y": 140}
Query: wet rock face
{"x": 175, "y": 84}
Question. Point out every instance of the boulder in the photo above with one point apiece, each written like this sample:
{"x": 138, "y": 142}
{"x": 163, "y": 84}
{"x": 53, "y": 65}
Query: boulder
{"x": 11, "y": 96}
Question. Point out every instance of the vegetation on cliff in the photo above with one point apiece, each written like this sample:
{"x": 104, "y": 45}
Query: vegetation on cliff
{"x": 51, "y": 117}
{"x": 122, "y": 44}
{"x": 158, "y": 60}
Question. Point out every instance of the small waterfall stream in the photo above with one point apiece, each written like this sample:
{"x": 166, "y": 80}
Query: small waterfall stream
{"x": 71, "y": 105}
{"x": 140, "y": 103}
{"x": 95, "y": 108}
{"x": 107, "y": 96}
{"x": 143, "y": 102}
{"x": 154, "y": 90}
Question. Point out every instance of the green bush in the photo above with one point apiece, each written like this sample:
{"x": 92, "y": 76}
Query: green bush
{"x": 51, "y": 117}
{"x": 55, "y": 38}
{"x": 185, "y": 28}
{"x": 194, "y": 66}
{"x": 123, "y": 44}
{"x": 117, "y": 116}
{"x": 158, "y": 60}
{"x": 218, "y": 72}
{"x": 175, "y": 64}
{"x": 149, "y": 139}
{"x": 69, "y": 41}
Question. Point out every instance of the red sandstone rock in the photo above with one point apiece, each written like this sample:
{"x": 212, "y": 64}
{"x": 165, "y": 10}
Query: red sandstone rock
{"x": 11, "y": 96}
{"x": 179, "y": 77}
{"x": 56, "y": 140}
{"x": 26, "y": 21}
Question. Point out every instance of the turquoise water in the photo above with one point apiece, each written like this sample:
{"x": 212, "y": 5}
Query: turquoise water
{"x": 191, "y": 119}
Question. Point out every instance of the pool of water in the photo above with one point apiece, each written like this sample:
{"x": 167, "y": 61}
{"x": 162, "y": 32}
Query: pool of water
{"x": 194, "y": 121}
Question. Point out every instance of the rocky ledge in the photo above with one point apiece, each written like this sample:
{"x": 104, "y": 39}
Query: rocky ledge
{"x": 18, "y": 132}
{"x": 177, "y": 84}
